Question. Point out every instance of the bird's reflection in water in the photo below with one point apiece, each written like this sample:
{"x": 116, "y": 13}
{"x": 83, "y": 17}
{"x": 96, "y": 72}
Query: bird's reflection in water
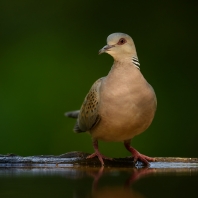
{"x": 124, "y": 190}
{"x": 116, "y": 192}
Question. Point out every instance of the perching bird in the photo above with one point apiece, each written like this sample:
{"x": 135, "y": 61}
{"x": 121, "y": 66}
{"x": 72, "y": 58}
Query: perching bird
{"x": 120, "y": 105}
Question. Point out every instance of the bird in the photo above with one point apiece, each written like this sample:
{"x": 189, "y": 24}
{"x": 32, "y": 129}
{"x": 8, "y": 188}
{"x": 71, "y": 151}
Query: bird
{"x": 120, "y": 105}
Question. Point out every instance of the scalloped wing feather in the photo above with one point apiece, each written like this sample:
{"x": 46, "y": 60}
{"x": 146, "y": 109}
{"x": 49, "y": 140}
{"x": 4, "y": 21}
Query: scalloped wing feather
{"x": 88, "y": 116}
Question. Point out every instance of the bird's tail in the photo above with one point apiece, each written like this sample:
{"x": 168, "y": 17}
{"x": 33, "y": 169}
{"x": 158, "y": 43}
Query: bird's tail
{"x": 72, "y": 114}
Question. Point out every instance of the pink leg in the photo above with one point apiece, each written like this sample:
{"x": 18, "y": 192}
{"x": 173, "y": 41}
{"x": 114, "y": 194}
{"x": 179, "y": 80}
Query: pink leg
{"x": 137, "y": 155}
{"x": 97, "y": 153}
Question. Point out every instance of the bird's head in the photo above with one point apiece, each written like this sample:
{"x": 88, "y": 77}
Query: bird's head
{"x": 120, "y": 46}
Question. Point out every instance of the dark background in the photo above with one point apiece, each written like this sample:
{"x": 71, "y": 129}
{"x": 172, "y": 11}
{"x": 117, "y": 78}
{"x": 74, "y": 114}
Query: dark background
{"x": 49, "y": 60}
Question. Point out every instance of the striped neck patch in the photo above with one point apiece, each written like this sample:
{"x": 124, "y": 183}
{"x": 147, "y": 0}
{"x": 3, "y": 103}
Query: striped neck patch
{"x": 136, "y": 62}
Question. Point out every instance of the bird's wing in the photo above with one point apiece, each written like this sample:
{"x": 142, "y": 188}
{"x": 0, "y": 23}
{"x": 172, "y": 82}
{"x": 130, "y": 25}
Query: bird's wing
{"x": 88, "y": 116}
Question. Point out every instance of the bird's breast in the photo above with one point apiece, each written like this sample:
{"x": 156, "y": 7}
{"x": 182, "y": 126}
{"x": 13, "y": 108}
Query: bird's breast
{"x": 127, "y": 107}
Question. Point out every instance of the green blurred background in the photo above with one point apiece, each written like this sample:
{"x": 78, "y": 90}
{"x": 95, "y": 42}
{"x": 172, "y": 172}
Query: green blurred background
{"x": 49, "y": 59}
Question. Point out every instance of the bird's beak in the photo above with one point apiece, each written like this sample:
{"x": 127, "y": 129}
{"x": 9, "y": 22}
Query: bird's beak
{"x": 105, "y": 48}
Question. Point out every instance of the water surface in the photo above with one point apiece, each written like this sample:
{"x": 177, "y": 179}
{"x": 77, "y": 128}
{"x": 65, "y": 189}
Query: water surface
{"x": 77, "y": 182}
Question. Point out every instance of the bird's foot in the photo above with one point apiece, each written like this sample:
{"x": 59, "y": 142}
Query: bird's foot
{"x": 100, "y": 157}
{"x": 138, "y": 156}
{"x": 143, "y": 158}
{"x": 97, "y": 153}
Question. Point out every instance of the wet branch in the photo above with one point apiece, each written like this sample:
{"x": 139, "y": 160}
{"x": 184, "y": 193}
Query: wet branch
{"x": 77, "y": 159}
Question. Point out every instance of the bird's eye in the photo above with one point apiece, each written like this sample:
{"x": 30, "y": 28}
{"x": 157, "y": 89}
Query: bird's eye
{"x": 121, "y": 41}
